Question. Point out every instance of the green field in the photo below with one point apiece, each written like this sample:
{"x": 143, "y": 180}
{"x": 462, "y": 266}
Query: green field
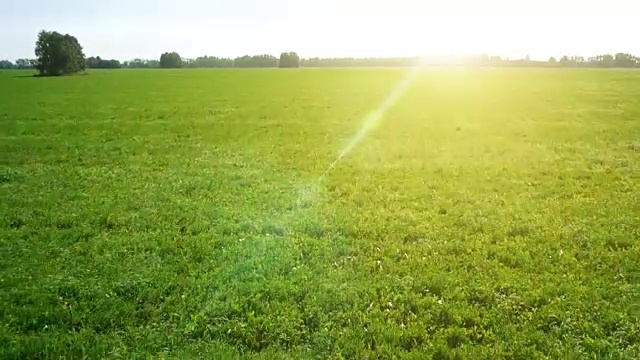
{"x": 489, "y": 214}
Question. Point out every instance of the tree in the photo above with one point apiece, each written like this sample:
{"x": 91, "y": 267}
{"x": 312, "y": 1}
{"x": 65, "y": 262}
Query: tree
{"x": 208, "y": 62}
{"x": 256, "y": 61}
{"x": 93, "y": 62}
{"x": 567, "y": 61}
{"x": 98, "y": 63}
{"x": 170, "y": 60}
{"x": 6, "y": 64}
{"x": 624, "y": 60}
{"x": 58, "y": 54}
{"x": 607, "y": 60}
{"x": 26, "y": 63}
{"x": 137, "y": 64}
{"x": 289, "y": 60}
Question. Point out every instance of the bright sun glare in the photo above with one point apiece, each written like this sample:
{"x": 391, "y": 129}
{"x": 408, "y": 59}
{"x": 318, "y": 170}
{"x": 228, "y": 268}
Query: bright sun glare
{"x": 467, "y": 27}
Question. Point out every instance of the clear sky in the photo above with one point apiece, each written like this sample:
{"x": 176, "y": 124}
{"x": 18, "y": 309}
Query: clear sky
{"x": 126, "y": 29}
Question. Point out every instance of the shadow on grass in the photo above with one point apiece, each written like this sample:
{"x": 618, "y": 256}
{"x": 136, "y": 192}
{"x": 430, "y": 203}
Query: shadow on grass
{"x": 47, "y": 75}
{"x": 24, "y": 76}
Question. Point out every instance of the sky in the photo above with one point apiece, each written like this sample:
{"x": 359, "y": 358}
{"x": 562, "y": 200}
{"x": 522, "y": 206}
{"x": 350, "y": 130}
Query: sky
{"x": 127, "y": 29}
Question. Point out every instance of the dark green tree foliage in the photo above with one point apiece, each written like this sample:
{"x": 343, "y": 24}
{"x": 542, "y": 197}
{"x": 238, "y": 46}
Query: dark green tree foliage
{"x": 170, "y": 60}
{"x": 58, "y": 54}
{"x": 98, "y": 63}
{"x": 208, "y": 62}
{"x": 256, "y": 61}
{"x": 141, "y": 64}
{"x": 25, "y": 64}
{"x": 289, "y": 60}
{"x": 6, "y": 64}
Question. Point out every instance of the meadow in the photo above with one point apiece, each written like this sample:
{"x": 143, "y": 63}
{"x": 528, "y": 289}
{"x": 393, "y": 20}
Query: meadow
{"x": 488, "y": 214}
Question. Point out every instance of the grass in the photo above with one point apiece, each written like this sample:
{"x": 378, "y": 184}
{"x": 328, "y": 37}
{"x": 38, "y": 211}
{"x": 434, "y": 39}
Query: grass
{"x": 491, "y": 213}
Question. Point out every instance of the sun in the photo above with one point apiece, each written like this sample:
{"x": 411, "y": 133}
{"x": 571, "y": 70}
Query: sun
{"x": 439, "y": 39}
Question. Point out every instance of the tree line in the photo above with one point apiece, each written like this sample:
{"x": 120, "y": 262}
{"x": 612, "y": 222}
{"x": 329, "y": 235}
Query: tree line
{"x": 286, "y": 60}
{"x": 58, "y": 54}
{"x": 619, "y": 60}
{"x": 19, "y": 64}
{"x": 168, "y": 60}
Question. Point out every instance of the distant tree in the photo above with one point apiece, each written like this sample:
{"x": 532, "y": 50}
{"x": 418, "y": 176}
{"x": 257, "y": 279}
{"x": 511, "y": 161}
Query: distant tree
{"x": 600, "y": 61}
{"x": 170, "y": 60}
{"x": 25, "y": 64}
{"x": 607, "y": 60}
{"x": 256, "y": 61}
{"x": 242, "y": 61}
{"x": 137, "y": 64}
{"x": 141, "y": 64}
{"x": 289, "y": 60}
{"x": 6, "y": 64}
{"x": 113, "y": 64}
{"x": 208, "y": 62}
{"x": 93, "y": 62}
{"x": 98, "y": 63}
{"x": 566, "y": 61}
{"x": 58, "y": 54}
{"x": 624, "y": 60}
{"x": 552, "y": 61}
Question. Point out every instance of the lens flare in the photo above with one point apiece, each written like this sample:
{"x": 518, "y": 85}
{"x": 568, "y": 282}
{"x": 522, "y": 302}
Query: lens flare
{"x": 310, "y": 195}
{"x": 374, "y": 117}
